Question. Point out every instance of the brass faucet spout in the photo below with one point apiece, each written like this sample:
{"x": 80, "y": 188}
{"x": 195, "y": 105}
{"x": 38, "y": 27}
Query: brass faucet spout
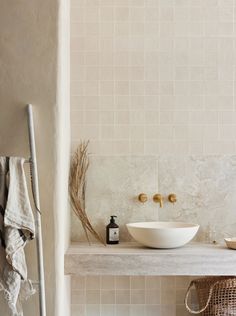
{"x": 157, "y": 198}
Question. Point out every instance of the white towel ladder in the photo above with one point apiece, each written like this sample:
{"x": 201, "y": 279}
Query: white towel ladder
{"x": 35, "y": 191}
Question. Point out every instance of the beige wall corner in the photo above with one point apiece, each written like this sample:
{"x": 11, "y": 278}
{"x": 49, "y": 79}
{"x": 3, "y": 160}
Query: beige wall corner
{"x": 62, "y": 214}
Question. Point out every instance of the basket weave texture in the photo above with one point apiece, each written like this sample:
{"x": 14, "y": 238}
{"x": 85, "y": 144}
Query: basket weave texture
{"x": 216, "y": 296}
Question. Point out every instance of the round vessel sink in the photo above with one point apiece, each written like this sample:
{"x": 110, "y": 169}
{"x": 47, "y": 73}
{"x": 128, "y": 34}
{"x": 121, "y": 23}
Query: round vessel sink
{"x": 162, "y": 234}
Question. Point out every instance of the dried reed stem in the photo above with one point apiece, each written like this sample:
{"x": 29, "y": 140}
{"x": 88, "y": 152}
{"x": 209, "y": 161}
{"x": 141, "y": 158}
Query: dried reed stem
{"x": 77, "y": 184}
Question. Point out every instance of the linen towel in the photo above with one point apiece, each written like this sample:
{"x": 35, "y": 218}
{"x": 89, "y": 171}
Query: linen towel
{"x": 16, "y": 229}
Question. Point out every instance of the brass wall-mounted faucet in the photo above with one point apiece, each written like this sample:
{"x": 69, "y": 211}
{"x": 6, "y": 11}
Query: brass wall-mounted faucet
{"x": 157, "y": 198}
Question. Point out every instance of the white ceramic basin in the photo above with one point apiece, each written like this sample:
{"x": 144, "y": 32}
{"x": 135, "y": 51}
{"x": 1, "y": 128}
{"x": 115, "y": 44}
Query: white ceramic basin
{"x": 162, "y": 234}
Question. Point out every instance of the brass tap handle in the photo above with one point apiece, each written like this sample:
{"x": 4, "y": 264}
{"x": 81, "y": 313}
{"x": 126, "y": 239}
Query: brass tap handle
{"x": 172, "y": 198}
{"x": 157, "y": 198}
{"x": 142, "y": 197}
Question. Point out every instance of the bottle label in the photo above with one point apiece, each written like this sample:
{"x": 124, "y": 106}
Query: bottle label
{"x": 114, "y": 234}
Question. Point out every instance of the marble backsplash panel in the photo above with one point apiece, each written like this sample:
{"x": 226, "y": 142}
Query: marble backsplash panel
{"x": 113, "y": 184}
{"x": 205, "y": 188}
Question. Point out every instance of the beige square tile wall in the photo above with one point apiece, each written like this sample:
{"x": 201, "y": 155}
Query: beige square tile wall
{"x": 153, "y": 76}
{"x": 150, "y": 77}
{"x": 128, "y": 296}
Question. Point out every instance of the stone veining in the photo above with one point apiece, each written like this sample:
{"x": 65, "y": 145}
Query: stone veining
{"x": 205, "y": 187}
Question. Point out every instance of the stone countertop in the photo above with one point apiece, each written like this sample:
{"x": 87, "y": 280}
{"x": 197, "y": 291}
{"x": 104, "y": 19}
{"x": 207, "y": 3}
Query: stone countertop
{"x": 133, "y": 259}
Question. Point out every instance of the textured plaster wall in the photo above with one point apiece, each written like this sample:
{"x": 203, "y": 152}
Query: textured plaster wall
{"x": 30, "y": 52}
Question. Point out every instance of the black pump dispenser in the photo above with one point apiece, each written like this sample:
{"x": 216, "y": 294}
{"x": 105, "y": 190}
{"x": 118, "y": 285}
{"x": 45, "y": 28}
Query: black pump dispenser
{"x": 112, "y": 232}
{"x": 112, "y": 220}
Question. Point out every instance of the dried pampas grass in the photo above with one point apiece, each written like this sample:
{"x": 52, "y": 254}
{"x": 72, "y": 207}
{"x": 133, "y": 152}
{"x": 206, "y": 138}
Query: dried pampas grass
{"x": 77, "y": 184}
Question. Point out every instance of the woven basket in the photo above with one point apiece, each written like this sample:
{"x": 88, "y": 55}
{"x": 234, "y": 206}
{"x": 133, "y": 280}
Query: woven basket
{"x": 216, "y": 296}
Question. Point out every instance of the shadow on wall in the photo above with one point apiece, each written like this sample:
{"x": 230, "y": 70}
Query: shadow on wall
{"x": 13, "y": 130}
